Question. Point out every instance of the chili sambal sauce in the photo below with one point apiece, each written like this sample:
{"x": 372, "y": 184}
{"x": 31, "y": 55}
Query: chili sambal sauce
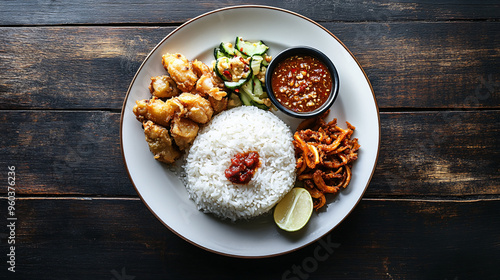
{"x": 243, "y": 167}
{"x": 301, "y": 83}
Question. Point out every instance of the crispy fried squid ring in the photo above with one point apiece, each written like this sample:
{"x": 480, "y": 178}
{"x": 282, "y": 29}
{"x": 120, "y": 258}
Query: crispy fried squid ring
{"x": 319, "y": 202}
{"x": 324, "y": 153}
{"x": 320, "y": 183}
{"x": 319, "y": 198}
{"x": 311, "y": 162}
{"x": 307, "y": 176}
{"x": 309, "y": 186}
{"x": 301, "y": 165}
{"x": 309, "y": 152}
{"x": 335, "y": 143}
{"x": 348, "y": 177}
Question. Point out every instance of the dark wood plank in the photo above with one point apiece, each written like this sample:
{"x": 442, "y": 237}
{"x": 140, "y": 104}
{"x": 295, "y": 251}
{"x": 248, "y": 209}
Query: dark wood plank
{"x": 448, "y": 153}
{"x": 423, "y": 154}
{"x": 133, "y": 11}
{"x": 381, "y": 239}
{"x": 428, "y": 65}
{"x": 410, "y": 65}
{"x": 64, "y": 152}
{"x": 76, "y": 68}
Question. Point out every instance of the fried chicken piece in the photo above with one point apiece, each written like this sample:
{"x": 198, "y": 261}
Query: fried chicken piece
{"x": 204, "y": 85}
{"x": 218, "y": 105}
{"x": 163, "y": 87}
{"x": 156, "y": 110}
{"x": 160, "y": 143}
{"x": 208, "y": 84}
{"x": 198, "y": 108}
{"x": 201, "y": 68}
{"x": 183, "y": 131}
{"x": 181, "y": 71}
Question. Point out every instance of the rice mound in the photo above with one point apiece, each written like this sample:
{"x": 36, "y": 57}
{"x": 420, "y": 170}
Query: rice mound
{"x": 239, "y": 130}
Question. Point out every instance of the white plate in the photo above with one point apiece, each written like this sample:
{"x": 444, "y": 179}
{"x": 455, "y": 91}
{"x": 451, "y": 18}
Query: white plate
{"x": 162, "y": 191}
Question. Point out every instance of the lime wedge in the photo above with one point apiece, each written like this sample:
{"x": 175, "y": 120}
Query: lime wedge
{"x": 294, "y": 210}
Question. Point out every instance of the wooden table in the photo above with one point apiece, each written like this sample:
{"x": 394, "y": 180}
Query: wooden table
{"x": 431, "y": 211}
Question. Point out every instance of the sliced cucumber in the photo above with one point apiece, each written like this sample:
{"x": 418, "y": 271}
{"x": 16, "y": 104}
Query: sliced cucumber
{"x": 252, "y": 88}
{"x": 256, "y": 99}
{"x": 253, "y": 97}
{"x": 261, "y": 106}
{"x": 250, "y": 48}
{"x": 251, "y": 100}
{"x": 221, "y": 70}
{"x": 227, "y": 48}
{"x": 234, "y": 85}
{"x": 255, "y": 64}
{"x": 218, "y": 53}
{"x": 249, "y": 90}
{"x": 247, "y": 87}
{"x": 245, "y": 99}
{"x": 257, "y": 88}
{"x": 238, "y": 53}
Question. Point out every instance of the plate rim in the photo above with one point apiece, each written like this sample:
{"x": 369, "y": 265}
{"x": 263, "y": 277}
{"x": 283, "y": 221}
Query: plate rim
{"x": 217, "y": 11}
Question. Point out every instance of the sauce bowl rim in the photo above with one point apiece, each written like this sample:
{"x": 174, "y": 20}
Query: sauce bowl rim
{"x": 303, "y": 50}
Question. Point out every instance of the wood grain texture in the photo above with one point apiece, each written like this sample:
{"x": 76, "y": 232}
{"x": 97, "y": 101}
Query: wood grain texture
{"x": 423, "y": 154}
{"x": 64, "y": 152}
{"x": 430, "y": 211}
{"x": 410, "y": 65}
{"x": 445, "y": 153}
{"x": 139, "y": 12}
{"x": 428, "y": 65}
{"x": 94, "y": 239}
{"x": 71, "y": 68}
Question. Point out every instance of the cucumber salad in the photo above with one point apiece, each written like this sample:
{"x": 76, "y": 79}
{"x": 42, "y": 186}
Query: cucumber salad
{"x": 242, "y": 66}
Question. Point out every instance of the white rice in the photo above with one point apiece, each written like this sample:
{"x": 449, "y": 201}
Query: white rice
{"x": 239, "y": 130}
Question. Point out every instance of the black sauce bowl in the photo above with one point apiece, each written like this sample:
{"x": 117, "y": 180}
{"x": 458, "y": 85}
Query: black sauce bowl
{"x": 303, "y": 51}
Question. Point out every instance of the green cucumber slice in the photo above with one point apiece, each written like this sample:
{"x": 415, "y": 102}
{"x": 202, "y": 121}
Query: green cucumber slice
{"x": 247, "y": 87}
{"x": 234, "y": 85}
{"x": 219, "y": 69}
{"x": 218, "y": 53}
{"x": 250, "y": 48}
{"x": 227, "y": 48}
{"x": 245, "y": 99}
{"x": 257, "y": 88}
{"x": 255, "y": 64}
{"x": 260, "y": 106}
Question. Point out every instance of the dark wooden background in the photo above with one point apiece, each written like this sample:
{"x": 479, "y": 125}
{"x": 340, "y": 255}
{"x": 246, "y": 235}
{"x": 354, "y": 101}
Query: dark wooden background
{"x": 432, "y": 210}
